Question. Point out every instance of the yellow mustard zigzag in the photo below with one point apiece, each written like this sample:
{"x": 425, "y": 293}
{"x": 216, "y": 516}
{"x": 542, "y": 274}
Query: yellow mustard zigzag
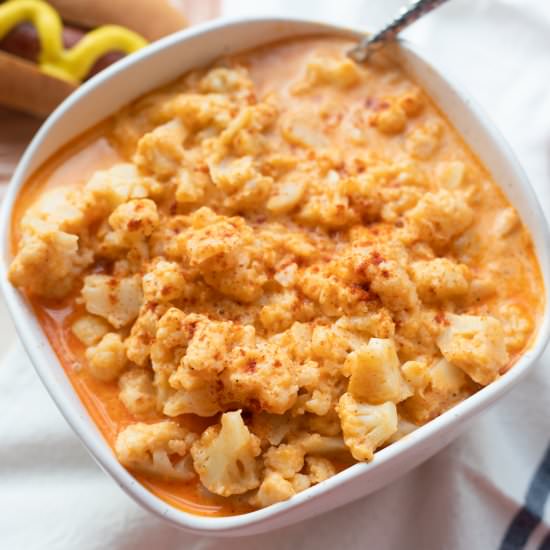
{"x": 73, "y": 64}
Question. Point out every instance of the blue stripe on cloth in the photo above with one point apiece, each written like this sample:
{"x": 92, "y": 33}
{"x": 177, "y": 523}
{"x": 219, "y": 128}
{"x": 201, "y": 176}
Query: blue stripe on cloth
{"x": 530, "y": 515}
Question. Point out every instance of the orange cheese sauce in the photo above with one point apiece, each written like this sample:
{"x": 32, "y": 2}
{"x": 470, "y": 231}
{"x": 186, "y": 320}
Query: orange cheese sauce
{"x": 338, "y": 110}
{"x": 109, "y": 414}
{"x": 73, "y": 165}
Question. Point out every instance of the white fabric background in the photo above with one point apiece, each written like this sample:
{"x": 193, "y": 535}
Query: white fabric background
{"x": 53, "y": 496}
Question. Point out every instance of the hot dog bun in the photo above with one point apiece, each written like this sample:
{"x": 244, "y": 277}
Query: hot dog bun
{"x": 25, "y": 88}
{"x": 152, "y": 19}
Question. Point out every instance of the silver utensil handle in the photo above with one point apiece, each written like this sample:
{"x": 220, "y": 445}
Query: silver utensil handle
{"x": 407, "y": 16}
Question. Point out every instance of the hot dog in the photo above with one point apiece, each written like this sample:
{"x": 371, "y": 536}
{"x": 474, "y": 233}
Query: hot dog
{"x": 23, "y": 41}
{"x": 43, "y": 58}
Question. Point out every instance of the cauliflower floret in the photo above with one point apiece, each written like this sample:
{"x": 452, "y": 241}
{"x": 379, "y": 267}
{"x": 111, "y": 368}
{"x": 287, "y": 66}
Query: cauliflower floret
{"x": 191, "y": 186}
{"x": 285, "y": 459}
{"x": 445, "y": 378}
{"x": 281, "y": 475}
{"x": 329, "y": 423}
{"x": 318, "y": 469}
{"x": 137, "y": 391}
{"x": 209, "y": 236}
{"x": 286, "y": 196}
{"x": 375, "y": 373}
{"x": 415, "y": 335}
{"x": 106, "y": 189}
{"x": 424, "y": 140}
{"x": 56, "y": 209}
{"x": 135, "y": 219}
{"x": 416, "y": 373}
{"x": 283, "y": 478}
{"x": 164, "y": 282}
{"x": 339, "y": 72}
{"x": 296, "y": 340}
{"x": 246, "y": 135}
{"x": 202, "y": 349}
{"x": 48, "y": 264}
{"x": 117, "y": 300}
{"x": 366, "y": 427}
{"x": 200, "y": 400}
{"x": 328, "y": 207}
{"x": 274, "y": 488}
{"x": 390, "y": 120}
{"x": 329, "y": 344}
{"x": 271, "y": 428}
{"x": 386, "y": 277}
{"x": 333, "y": 295}
{"x": 175, "y": 329}
{"x": 107, "y": 359}
{"x": 187, "y": 354}
{"x": 154, "y": 449}
{"x": 138, "y": 344}
{"x": 302, "y": 130}
{"x": 450, "y": 174}
{"x": 239, "y": 180}
{"x": 160, "y": 152}
{"x": 222, "y": 80}
{"x": 247, "y": 125}
{"x": 225, "y": 457}
{"x": 230, "y": 174}
{"x": 262, "y": 376}
{"x": 89, "y": 329}
{"x": 412, "y": 102}
{"x": 209, "y": 343}
{"x": 317, "y": 395}
{"x": 437, "y": 388}
{"x": 198, "y": 111}
{"x": 475, "y": 345}
{"x": 225, "y": 254}
{"x": 517, "y": 325}
{"x": 440, "y": 279}
{"x": 439, "y": 217}
{"x": 376, "y": 324}
{"x": 279, "y": 313}
{"x": 506, "y": 222}
{"x": 301, "y": 482}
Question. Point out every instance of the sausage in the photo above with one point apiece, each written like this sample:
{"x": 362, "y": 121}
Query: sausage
{"x": 23, "y": 41}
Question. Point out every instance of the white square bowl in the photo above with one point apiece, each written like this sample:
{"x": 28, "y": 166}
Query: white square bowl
{"x": 162, "y": 62}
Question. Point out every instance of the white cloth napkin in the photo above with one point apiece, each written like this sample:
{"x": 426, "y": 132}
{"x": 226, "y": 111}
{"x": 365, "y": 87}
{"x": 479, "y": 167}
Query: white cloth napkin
{"x": 487, "y": 490}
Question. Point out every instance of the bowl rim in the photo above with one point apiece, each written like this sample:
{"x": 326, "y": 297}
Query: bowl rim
{"x": 94, "y": 442}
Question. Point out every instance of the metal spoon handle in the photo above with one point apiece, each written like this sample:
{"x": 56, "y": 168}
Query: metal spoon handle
{"x": 407, "y": 16}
